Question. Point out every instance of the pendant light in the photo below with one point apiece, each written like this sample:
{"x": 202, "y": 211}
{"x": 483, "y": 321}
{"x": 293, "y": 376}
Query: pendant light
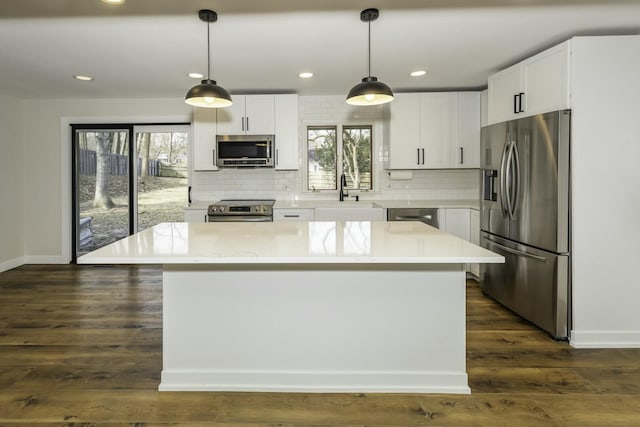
{"x": 370, "y": 91}
{"x": 208, "y": 94}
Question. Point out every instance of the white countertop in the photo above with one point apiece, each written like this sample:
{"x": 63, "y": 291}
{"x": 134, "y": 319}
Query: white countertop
{"x": 291, "y": 242}
{"x": 312, "y": 204}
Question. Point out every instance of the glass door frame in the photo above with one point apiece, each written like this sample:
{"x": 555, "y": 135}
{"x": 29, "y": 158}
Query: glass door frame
{"x": 130, "y": 128}
{"x": 75, "y": 168}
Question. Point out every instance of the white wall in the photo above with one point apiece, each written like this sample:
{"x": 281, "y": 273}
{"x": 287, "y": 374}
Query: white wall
{"x": 291, "y": 185}
{"x": 11, "y": 183}
{"x": 47, "y": 175}
{"x": 606, "y": 191}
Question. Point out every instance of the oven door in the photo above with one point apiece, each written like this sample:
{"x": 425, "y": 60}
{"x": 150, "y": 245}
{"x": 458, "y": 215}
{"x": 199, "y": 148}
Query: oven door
{"x": 240, "y": 218}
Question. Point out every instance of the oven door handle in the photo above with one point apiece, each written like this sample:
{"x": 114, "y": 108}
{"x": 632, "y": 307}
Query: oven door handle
{"x": 239, "y": 218}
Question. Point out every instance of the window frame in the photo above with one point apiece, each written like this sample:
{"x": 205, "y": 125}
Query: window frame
{"x": 371, "y": 125}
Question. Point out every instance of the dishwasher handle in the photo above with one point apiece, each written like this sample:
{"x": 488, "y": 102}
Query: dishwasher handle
{"x": 412, "y": 217}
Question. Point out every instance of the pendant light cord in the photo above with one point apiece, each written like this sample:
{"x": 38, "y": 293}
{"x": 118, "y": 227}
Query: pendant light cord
{"x": 369, "y": 21}
{"x": 208, "y": 52}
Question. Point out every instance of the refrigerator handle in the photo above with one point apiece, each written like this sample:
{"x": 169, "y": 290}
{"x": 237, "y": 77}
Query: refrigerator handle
{"x": 515, "y": 179}
{"x": 503, "y": 181}
{"x": 509, "y": 179}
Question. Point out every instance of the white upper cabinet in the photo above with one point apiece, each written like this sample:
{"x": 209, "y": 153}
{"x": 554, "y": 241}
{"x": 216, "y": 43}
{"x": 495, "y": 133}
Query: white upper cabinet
{"x": 204, "y": 139}
{"x": 436, "y": 129}
{"x": 249, "y": 114}
{"x": 402, "y": 132}
{"x": 439, "y": 130}
{"x": 536, "y": 85}
{"x": 465, "y": 144}
{"x": 286, "y": 131}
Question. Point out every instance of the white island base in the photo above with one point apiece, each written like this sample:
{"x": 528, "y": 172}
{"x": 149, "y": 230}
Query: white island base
{"x": 314, "y": 328}
{"x": 308, "y": 307}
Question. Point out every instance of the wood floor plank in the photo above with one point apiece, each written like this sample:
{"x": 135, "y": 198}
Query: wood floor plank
{"x": 82, "y": 346}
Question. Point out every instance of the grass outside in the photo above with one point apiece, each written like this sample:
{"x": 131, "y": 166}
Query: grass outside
{"x": 160, "y": 199}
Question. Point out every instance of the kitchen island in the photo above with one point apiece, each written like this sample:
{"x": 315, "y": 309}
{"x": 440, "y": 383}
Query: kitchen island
{"x": 309, "y": 307}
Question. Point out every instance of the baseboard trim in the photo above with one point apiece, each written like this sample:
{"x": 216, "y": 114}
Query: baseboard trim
{"x": 46, "y": 259}
{"x": 605, "y": 339}
{"x": 11, "y": 264}
{"x": 315, "y": 382}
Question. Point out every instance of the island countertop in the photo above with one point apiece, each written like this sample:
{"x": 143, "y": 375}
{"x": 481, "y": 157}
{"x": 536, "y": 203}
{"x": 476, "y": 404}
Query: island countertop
{"x": 291, "y": 243}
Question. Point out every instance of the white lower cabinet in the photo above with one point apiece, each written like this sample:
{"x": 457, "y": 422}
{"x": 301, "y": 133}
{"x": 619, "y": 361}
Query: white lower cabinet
{"x": 475, "y": 238}
{"x": 300, "y": 215}
{"x": 350, "y": 214}
{"x": 463, "y": 223}
{"x": 195, "y": 215}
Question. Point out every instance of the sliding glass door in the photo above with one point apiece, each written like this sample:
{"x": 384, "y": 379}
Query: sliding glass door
{"x": 162, "y": 187}
{"x": 120, "y": 187}
{"x": 102, "y": 187}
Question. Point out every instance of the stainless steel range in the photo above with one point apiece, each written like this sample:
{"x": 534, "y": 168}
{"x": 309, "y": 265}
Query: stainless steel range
{"x": 241, "y": 211}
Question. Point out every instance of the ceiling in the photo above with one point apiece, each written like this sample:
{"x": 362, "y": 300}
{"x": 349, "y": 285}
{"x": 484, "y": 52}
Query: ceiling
{"x": 146, "y": 48}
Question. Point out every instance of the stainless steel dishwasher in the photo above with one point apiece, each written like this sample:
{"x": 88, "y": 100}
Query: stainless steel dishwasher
{"x": 427, "y": 215}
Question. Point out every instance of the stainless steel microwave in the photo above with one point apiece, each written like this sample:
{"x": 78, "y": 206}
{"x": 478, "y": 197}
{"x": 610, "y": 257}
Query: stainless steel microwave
{"x": 244, "y": 150}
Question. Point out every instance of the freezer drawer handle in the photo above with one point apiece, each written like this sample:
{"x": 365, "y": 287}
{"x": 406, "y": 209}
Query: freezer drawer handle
{"x": 517, "y": 252}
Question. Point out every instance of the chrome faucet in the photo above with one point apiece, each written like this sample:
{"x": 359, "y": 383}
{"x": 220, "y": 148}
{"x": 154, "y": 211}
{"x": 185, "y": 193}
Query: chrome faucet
{"x": 343, "y": 188}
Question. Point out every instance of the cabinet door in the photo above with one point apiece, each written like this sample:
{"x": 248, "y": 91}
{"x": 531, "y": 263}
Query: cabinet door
{"x": 259, "y": 115}
{"x": 286, "y": 131}
{"x": 195, "y": 215}
{"x": 546, "y": 77}
{"x": 503, "y": 86}
{"x": 204, "y": 139}
{"x": 231, "y": 119}
{"x": 474, "y": 238}
{"x": 403, "y": 136}
{"x": 435, "y": 129}
{"x": 465, "y": 147}
{"x": 295, "y": 215}
{"x": 458, "y": 222}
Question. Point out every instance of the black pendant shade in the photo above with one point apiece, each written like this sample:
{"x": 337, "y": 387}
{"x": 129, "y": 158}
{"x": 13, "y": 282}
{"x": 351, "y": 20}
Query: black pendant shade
{"x": 370, "y": 91}
{"x": 208, "y": 94}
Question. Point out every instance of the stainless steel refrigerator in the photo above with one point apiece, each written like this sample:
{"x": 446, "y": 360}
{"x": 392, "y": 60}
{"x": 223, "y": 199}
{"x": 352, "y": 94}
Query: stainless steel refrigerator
{"x": 525, "y": 216}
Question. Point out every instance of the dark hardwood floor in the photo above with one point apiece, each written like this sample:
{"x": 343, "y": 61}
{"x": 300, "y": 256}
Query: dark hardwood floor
{"x": 82, "y": 346}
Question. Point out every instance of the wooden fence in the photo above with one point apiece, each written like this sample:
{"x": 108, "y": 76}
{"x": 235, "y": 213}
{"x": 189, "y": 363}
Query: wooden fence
{"x": 118, "y": 164}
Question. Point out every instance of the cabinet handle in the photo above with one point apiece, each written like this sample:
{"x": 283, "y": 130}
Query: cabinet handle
{"x": 247, "y": 124}
{"x": 276, "y": 157}
{"x": 213, "y": 157}
{"x": 461, "y": 155}
{"x": 515, "y": 104}
{"x": 520, "y": 110}
{"x": 292, "y": 216}
{"x": 243, "y": 124}
{"x": 422, "y": 155}
{"x": 418, "y": 151}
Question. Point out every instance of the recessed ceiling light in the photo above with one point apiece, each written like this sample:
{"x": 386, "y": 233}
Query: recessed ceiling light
{"x": 113, "y": 1}
{"x": 83, "y": 78}
{"x": 195, "y": 75}
{"x": 305, "y": 75}
{"x": 417, "y": 73}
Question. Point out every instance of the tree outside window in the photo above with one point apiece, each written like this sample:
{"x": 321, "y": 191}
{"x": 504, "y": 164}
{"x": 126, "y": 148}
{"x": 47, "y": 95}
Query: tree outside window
{"x": 356, "y": 156}
{"x": 328, "y": 157}
{"x": 322, "y": 160}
